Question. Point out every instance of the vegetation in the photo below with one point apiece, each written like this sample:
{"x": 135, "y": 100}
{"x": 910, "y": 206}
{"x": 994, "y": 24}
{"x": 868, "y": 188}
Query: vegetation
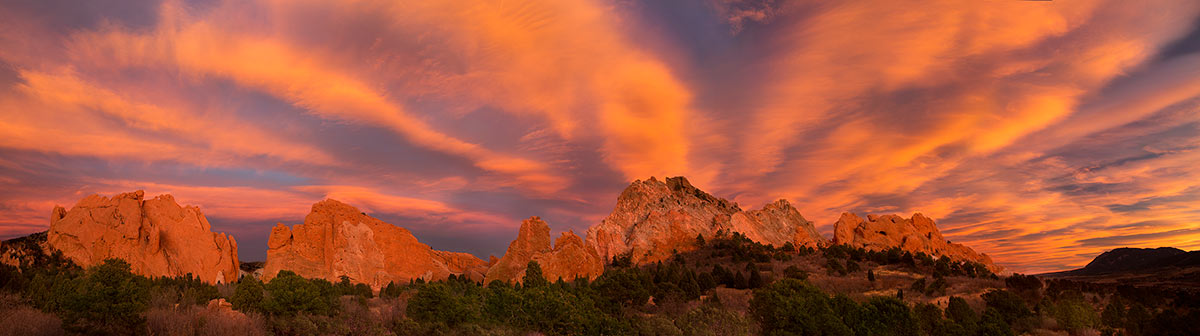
{"x": 731, "y": 286}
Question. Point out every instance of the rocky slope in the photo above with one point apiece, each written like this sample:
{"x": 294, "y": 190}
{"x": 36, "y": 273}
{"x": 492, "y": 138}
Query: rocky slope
{"x": 1164, "y": 267}
{"x": 1128, "y": 259}
{"x": 156, "y": 236}
{"x": 567, "y": 259}
{"x": 337, "y": 239}
{"x": 916, "y": 234}
{"x": 653, "y": 218}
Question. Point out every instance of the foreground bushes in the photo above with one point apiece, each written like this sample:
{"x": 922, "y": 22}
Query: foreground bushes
{"x": 795, "y": 307}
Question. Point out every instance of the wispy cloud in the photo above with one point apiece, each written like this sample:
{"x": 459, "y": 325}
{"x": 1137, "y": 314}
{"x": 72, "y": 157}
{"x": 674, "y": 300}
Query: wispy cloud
{"x": 1046, "y": 131}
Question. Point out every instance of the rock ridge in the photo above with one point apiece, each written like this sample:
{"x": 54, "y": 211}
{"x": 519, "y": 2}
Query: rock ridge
{"x": 654, "y": 219}
{"x": 337, "y": 239}
{"x": 916, "y": 234}
{"x": 567, "y": 258}
{"x": 156, "y": 236}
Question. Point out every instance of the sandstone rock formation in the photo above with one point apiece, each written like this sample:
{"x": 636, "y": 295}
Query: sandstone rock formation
{"x": 156, "y": 236}
{"x": 567, "y": 259}
{"x": 916, "y": 234}
{"x": 336, "y": 239}
{"x": 654, "y": 218}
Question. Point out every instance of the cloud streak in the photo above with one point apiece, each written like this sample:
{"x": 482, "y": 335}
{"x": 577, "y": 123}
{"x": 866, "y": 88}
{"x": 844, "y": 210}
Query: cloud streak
{"x": 1029, "y": 130}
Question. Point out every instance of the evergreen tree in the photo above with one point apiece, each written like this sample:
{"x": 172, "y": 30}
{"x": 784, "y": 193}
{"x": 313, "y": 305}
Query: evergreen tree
{"x": 756, "y": 280}
{"x": 739, "y": 281}
{"x": 248, "y": 295}
{"x": 706, "y": 281}
{"x": 108, "y": 299}
{"x": 533, "y": 276}
{"x": 871, "y": 276}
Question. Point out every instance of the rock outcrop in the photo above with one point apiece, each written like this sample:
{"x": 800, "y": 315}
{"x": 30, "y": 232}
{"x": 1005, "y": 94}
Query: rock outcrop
{"x": 337, "y": 239}
{"x": 156, "y": 236}
{"x": 567, "y": 259}
{"x": 916, "y": 234}
{"x": 653, "y": 219}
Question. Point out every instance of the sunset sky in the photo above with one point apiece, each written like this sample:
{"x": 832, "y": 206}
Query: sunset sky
{"x": 1040, "y": 132}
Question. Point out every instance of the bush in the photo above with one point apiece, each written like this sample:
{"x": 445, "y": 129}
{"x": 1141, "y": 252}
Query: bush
{"x": 1074, "y": 314}
{"x": 834, "y": 267}
{"x": 710, "y": 320}
{"x": 794, "y": 306}
{"x": 248, "y": 296}
{"x": 445, "y": 303}
{"x": 183, "y": 290}
{"x": 1007, "y": 306}
{"x": 291, "y": 294}
{"x": 533, "y": 275}
{"x": 108, "y": 299}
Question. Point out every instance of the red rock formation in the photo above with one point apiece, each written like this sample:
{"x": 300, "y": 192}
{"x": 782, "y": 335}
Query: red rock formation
{"x": 916, "y": 234}
{"x": 336, "y": 239}
{"x": 568, "y": 258}
{"x": 156, "y": 236}
{"x": 653, "y": 219}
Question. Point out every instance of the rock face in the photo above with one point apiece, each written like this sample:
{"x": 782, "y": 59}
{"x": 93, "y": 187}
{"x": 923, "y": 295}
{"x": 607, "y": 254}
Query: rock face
{"x": 654, "y": 218}
{"x": 916, "y": 234}
{"x": 567, "y": 259}
{"x": 156, "y": 236}
{"x": 336, "y": 239}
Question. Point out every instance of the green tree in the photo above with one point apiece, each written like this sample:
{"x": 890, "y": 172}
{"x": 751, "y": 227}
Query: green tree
{"x": 833, "y": 266}
{"x": 918, "y": 286}
{"x": 1007, "y": 305}
{"x": 291, "y": 294}
{"x": 739, "y": 281}
{"x": 1114, "y": 313}
{"x": 794, "y": 307}
{"x": 248, "y": 296}
{"x": 706, "y": 282}
{"x": 533, "y": 275}
{"x": 446, "y": 303}
{"x": 392, "y": 290}
{"x": 887, "y": 316}
{"x": 959, "y": 311}
{"x": 109, "y": 299}
{"x": 871, "y": 276}
{"x": 1074, "y": 314}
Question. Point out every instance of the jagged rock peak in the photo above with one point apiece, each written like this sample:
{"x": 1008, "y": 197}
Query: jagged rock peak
{"x": 654, "y": 219}
{"x": 337, "y": 239}
{"x": 568, "y": 258}
{"x": 916, "y": 234}
{"x": 156, "y": 236}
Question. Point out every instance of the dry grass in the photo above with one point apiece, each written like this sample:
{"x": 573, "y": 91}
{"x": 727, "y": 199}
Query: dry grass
{"x": 19, "y": 319}
{"x": 194, "y": 320}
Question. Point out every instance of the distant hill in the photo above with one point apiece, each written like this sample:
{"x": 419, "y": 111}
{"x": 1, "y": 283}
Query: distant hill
{"x": 1140, "y": 266}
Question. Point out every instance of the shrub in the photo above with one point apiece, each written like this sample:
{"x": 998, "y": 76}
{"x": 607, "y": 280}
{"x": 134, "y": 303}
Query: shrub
{"x": 795, "y": 273}
{"x": 291, "y": 294}
{"x": 533, "y": 275}
{"x": 108, "y": 299}
{"x": 918, "y": 286}
{"x": 794, "y": 306}
{"x": 833, "y": 266}
{"x": 711, "y": 320}
{"x": 1074, "y": 314}
{"x": 1007, "y": 306}
{"x": 248, "y": 296}
{"x": 445, "y": 303}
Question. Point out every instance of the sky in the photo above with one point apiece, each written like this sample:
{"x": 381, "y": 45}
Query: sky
{"x": 1040, "y": 132}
